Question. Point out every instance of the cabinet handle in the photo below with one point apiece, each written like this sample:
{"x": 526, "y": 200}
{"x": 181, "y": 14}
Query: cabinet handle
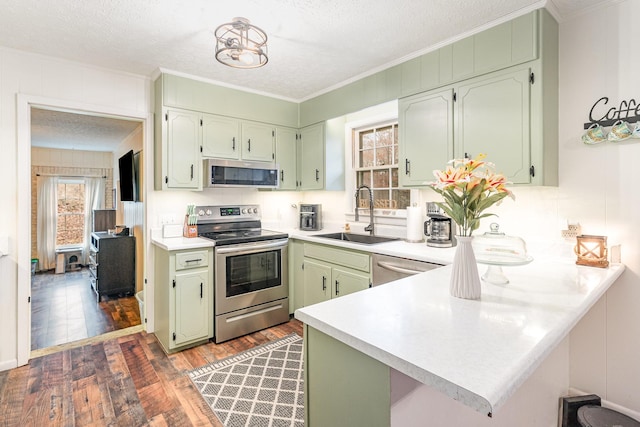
{"x": 200, "y": 290}
{"x": 317, "y": 175}
{"x": 249, "y": 144}
{"x": 407, "y": 167}
{"x": 233, "y": 144}
{"x": 193, "y": 260}
{"x": 324, "y": 283}
{"x": 191, "y": 172}
{"x": 337, "y": 287}
{"x": 281, "y": 175}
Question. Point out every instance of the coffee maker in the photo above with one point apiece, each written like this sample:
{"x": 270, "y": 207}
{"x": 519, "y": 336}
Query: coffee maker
{"x": 439, "y": 228}
{"x": 310, "y": 217}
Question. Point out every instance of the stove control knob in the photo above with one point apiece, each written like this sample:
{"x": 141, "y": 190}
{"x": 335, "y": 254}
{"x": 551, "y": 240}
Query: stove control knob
{"x": 209, "y": 212}
{"x": 244, "y": 211}
{"x": 255, "y": 210}
{"x": 200, "y": 212}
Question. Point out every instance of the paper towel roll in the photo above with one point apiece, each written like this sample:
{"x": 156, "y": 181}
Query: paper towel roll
{"x": 415, "y": 224}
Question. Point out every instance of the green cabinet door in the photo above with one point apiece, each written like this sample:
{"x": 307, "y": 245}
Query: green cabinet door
{"x": 346, "y": 281}
{"x": 317, "y": 282}
{"x": 493, "y": 117}
{"x": 191, "y": 307}
{"x": 183, "y": 150}
{"x": 220, "y": 137}
{"x": 286, "y": 139}
{"x": 311, "y": 157}
{"x": 258, "y": 142}
{"x": 426, "y": 136}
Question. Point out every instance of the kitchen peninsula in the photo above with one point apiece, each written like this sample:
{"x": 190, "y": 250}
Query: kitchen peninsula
{"x": 400, "y": 352}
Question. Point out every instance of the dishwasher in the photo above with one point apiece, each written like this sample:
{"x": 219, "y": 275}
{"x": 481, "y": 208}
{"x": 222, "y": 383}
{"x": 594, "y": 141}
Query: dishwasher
{"x": 389, "y": 268}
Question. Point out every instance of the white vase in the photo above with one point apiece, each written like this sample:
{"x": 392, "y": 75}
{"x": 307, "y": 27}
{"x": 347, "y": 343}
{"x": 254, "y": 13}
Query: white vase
{"x": 465, "y": 280}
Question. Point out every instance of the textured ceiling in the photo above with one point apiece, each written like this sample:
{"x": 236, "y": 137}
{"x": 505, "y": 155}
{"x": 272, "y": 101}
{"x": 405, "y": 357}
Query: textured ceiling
{"x": 58, "y": 129}
{"x": 313, "y": 45}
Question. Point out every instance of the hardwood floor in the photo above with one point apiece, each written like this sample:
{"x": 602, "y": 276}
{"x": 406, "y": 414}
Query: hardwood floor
{"x": 128, "y": 381}
{"x": 64, "y": 309}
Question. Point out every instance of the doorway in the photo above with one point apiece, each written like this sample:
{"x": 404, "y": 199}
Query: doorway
{"x": 74, "y": 146}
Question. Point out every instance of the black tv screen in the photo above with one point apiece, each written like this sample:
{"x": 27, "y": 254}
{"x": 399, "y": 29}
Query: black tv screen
{"x": 128, "y": 184}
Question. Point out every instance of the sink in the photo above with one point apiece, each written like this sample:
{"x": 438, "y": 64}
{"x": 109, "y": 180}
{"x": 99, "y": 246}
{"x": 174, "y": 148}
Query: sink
{"x": 357, "y": 238}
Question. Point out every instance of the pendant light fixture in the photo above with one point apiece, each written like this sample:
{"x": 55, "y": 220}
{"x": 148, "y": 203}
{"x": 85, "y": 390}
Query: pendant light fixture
{"x": 241, "y": 45}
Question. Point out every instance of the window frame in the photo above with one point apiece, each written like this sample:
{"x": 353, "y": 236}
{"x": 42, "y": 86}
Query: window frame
{"x": 356, "y": 149}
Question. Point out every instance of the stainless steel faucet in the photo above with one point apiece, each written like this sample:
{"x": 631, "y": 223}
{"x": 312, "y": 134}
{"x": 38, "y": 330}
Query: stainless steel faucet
{"x": 369, "y": 227}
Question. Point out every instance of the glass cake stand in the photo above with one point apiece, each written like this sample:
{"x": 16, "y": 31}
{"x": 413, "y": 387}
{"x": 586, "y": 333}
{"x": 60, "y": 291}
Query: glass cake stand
{"x": 494, "y": 273}
{"x": 498, "y": 250}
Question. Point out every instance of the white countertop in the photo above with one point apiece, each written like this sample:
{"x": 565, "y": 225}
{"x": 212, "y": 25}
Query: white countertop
{"x": 180, "y": 243}
{"x": 477, "y": 352}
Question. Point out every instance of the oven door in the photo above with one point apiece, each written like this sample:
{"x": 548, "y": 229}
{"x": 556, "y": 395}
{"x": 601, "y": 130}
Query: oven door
{"x": 249, "y": 274}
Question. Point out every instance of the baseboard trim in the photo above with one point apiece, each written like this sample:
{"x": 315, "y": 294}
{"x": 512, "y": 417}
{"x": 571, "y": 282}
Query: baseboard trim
{"x": 5, "y": 365}
{"x": 607, "y": 404}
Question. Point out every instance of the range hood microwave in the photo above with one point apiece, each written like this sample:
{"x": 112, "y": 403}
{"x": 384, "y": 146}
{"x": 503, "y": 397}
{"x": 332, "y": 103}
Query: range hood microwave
{"x": 235, "y": 173}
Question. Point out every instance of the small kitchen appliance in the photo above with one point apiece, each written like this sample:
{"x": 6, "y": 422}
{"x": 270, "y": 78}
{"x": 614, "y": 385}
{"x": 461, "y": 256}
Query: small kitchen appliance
{"x": 310, "y": 217}
{"x": 251, "y": 287}
{"x": 439, "y": 228}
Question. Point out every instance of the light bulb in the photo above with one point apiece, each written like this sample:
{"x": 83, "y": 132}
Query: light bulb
{"x": 246, "y": 58}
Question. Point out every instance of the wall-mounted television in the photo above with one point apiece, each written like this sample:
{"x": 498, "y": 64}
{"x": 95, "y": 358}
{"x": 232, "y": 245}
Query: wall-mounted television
{"x": 128, "y": 166}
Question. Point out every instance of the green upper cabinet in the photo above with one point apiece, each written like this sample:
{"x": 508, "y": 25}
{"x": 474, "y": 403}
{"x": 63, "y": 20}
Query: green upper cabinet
{"x": 524, "y": 39}
{"x": 181, "y": 137}
{"x": 258, "y": 142}
{"x": 286, "y": 149}
{"x": 230, "y": 138}
{"x": 220, "y": 137}
{"x": 493, "y": 117}
{"x": 426, "y": 135}
{"x": 311, "y": 161}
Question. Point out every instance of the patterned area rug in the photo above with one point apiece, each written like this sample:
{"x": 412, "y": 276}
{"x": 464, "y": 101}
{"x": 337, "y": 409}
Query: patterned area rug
{"x": 261, "y": 387}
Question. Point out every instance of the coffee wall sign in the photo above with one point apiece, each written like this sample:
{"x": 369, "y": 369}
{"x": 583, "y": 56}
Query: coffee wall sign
{"x": 618, "y": 117}
{"x": 604, "y": 114}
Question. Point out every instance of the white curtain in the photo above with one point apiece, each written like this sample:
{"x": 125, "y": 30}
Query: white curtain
{"x": 47, "y": 220}
{"x": 93, "y": 199}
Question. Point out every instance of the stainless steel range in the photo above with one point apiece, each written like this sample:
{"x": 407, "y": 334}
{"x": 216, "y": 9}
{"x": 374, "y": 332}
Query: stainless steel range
{"x": 251, "y": 286}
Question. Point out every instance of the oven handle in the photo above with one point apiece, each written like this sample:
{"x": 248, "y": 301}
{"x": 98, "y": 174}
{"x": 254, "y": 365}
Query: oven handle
{"x": 251, "y": 247}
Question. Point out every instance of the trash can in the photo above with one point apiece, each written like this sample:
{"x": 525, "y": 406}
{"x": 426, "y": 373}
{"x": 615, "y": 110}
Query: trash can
{"x": 597, "y": 416}
{"x": 34, "y": 265}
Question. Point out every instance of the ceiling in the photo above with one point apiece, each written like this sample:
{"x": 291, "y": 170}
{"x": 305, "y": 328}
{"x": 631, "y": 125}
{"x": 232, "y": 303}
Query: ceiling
{"x": 313, "y": 45}
{"x": 71, "y": 131}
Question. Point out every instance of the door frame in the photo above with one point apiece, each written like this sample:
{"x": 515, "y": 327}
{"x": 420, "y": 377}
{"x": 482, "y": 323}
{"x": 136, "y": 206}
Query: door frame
{"x": 23, "y": 244}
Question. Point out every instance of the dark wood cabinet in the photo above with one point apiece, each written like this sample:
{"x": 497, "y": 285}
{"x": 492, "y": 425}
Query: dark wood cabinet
{"x": 112, "y": 264}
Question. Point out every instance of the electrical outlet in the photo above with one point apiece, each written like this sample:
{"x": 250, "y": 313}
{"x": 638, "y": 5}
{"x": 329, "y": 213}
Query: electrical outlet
{"x": 569, "y": 408}
{"x": 572, "y": 231}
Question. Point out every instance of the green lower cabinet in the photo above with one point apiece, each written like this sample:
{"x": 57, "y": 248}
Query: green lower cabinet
{"x": 183, "y": 297}
{"x": 343, "y": 387}
{"x": 317, "y": 282}
{"x": 346, "y": 281}
{"x": 192, "y": 302}
{"x": 330, "y": 272}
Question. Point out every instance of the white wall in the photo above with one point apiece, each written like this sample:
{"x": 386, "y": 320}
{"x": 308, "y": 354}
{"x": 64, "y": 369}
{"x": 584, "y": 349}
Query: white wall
{"x": 598, "y": 57}
{"x": 44, "y": 78}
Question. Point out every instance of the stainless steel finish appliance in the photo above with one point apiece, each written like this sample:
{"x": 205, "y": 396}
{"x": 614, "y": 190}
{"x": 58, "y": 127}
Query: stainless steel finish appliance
{"x": 251, "y": 286}
{"x": 236, "y": 173}
{"x": 439, "y": 228}
{"x": 389, "y": 268}
{"x": 310, "y": 217}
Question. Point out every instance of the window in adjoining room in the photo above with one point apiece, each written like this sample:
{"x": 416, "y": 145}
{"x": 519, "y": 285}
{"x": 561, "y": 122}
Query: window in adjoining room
{"x": 70, "y": 226}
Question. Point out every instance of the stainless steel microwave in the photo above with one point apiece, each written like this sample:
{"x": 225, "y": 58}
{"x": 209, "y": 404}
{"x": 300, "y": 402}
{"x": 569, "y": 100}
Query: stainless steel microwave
{"x": 238, "y": 173}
